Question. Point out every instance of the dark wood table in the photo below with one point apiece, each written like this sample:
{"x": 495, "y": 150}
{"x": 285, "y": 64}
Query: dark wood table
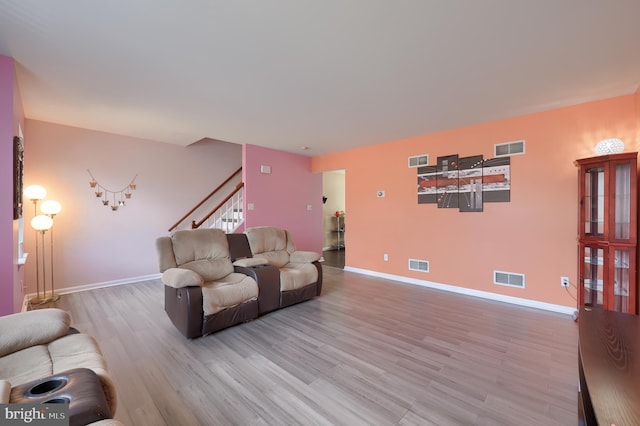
{"x": 609, "y": 367}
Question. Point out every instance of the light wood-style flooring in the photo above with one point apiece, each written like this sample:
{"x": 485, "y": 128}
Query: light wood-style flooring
{"x": 367, "y": 352}
{"x": 334, "y": 258}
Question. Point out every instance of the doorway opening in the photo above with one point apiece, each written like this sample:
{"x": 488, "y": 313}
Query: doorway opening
{"x": 334, "y": 218}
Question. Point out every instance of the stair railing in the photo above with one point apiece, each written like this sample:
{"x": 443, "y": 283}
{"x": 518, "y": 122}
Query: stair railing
{"x": 205, "y": 199}
{"x": 227, "y": 215}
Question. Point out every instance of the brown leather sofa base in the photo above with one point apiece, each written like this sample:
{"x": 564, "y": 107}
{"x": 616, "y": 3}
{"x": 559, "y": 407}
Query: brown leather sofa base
{"x": 298, "y": 295}
{"x": 184, "y": 308}
{"x": 244, "y": 312}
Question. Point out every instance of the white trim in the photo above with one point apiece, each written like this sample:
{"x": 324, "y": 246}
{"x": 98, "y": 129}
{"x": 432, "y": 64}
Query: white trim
{"x": 510, "y": 274}
{"x": 469, "y": 292}
{"x": 417, "y": 157}
{"x": 105, "y": 284}
{"x": 509, "y": 144}
{"x": 425, "y": 262}
{"x": 23, "y": 259}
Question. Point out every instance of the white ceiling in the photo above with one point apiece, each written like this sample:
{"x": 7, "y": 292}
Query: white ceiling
{"x": 327, "y": 74}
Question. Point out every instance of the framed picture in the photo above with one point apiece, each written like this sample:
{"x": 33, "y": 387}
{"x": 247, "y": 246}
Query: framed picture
{"x": 18, "y": 173}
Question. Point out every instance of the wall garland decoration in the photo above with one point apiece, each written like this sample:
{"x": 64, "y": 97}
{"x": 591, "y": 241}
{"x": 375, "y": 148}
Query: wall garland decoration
{"x": 107, "y": 195}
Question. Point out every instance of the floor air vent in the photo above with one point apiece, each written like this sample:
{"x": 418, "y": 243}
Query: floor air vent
{"x": 508, "y": 278}
{"x": 419, "y": 160}
{"x": 418, "y": 265}
{"x": 508, "y": 148}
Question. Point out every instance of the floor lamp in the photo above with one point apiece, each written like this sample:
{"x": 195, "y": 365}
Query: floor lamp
{"x": 50, "y": 208}
{"x": 41, "y": 223}
{"x": 36, "y": 193}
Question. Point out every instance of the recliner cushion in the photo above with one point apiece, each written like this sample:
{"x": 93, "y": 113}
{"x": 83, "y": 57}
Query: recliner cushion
{"x": 23, "y": 330}
{"x": 26, "y": 365}
{"x": 204, "y": 251}
{"x": 269, "y": 243}
{"x": 227, "y": 292}
{"x": 297, "y": 275}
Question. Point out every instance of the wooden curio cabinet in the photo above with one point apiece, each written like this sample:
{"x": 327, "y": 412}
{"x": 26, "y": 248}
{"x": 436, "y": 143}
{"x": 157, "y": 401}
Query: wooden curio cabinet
{"x": 608, "y": 232}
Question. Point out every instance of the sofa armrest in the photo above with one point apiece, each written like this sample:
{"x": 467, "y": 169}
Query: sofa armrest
{"x": 304, "y": 257}
{"x": 31, "y": 328}
{"x": 251, "y": 261}
{"x": 178, "y": 278}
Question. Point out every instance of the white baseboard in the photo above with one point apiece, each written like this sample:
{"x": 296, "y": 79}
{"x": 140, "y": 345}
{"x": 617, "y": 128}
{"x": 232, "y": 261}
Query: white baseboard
{"x": 467, "y": 291}
{"x": 104, "y": 284}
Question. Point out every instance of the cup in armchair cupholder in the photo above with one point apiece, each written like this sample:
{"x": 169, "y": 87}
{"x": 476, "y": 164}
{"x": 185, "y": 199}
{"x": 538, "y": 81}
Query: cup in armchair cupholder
{"x": 46, "y": 387}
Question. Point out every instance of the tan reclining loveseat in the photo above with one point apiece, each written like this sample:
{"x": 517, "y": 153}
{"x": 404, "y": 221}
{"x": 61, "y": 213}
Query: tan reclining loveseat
{"x": 205, "y": 291}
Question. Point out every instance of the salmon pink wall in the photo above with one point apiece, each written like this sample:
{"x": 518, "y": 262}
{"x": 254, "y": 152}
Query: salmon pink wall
{"x": 281, "y": 197}
{"x": 534, "y": 234}
{"x": 97, "y": 246}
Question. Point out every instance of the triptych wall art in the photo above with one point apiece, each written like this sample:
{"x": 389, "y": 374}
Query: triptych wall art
{"x": 465, "y": 183}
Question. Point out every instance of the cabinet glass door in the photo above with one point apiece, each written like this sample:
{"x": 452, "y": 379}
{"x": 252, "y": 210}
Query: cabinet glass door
{"x": 622, "y": 206}
{"x": 594, "y": 192}
{"x": 593, "y": 275}
{"x": 621, "y": 279}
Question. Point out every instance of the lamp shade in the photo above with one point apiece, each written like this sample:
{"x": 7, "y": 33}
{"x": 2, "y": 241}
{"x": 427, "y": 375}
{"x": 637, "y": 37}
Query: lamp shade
{"x": 50, "y": 207}
{"x": 41, "y": 222}
{"x": 35, "y": 192}
{"x": 609, "y": 146}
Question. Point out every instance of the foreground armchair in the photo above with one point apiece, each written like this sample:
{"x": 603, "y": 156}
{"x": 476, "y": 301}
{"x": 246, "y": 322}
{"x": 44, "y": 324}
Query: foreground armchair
{"x": 300, "y": 271}
{"x": 203, "y": 294}
{"x": 36, "y": 345}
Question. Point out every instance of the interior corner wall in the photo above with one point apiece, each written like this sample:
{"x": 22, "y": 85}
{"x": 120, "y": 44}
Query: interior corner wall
{"x": 282, "y": 197}
{"x": 637, "y": 109}
{"x": 533, "y": 234}
{"x": 6, "y": 186}
{"x": 11, "y": 116}
{"x": 93, "y": 244}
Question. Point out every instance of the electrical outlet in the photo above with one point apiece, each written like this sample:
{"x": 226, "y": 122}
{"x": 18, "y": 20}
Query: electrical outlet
{"x": 564, "y": 281}
{"x": 385, "y": 257}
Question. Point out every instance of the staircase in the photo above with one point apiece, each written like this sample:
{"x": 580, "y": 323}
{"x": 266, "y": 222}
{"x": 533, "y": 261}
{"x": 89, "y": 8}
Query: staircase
{"x": 226, "y": 215}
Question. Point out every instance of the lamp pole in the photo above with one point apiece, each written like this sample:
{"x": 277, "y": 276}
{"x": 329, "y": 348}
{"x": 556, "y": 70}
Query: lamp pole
{"x": 41, "y": 223}
{"x": 36, "y": 193}
{"x": 51, "y": 208}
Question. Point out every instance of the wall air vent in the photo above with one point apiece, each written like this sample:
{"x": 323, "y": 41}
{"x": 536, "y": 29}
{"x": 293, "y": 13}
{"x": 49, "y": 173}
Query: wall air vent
{"x": 508, "y": 148}
{"x": 419, "y": 160}
{"x": 418, "y": 265}
{"x": 508, "y": 278}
